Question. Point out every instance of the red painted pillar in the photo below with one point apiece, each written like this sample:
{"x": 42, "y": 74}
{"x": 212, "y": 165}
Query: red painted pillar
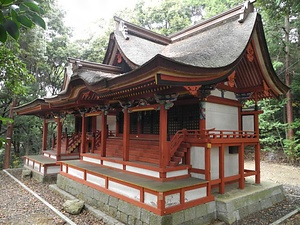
{"x": 126, "y": 130}
{"x": 202, "y": 124}
{"x": 257, "y": 163}
{"x": 45, "y": 135}
{"x": 222, "y": 169}
{"x": 163, "y": 125}
{"x": 241, "y": 166}
{"x": 83, "y": 134}
{"x": 59, "y": 137}
{"x": 103, "y": 134}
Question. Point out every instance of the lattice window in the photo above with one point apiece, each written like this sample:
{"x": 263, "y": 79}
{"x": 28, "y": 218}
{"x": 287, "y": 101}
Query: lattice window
{"x": 150, "y": 122}
{"x": 133, "y": 123}
{"x": 183, "y": 116}
{"x": 120, "y": 121}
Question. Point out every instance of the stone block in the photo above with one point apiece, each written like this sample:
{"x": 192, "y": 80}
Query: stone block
{"x": 145, "y": 216}
{"x": 190, "y": 214}
{"x": 114, "y": 202}
{"x": 178, "y": 218}
{"x": 266, "y": 203}
{"x": 122, "y": 217}
{"x": 211, "y": 207}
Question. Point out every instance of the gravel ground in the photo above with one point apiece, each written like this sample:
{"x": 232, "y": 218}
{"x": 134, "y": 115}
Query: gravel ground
{"x": 17, "y": 207}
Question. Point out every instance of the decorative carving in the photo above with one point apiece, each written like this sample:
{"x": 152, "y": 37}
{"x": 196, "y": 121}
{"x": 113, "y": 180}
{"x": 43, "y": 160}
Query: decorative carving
{"x": 266, "y": 89}
{"x": 166, "y": 100}
{"x": 246, "y": 9}
{"x": 231, "y": 79}
{"x": 119, "y": 58}
{"x": 126, "y": 105}
{"x": 193, "y": 89}
{"x": 123, "y": 29}
{"x": 143, "y": 102}
{"x": 243, "y": 97}
{"x": 205, "y": 91}
{"x": 250, "y": 53}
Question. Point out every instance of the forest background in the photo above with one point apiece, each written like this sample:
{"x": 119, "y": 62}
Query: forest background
{"x": 33, "y": 58}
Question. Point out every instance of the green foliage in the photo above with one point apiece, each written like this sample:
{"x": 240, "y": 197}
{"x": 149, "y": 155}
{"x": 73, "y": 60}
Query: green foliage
{"x": 13, "y": 72}
{"x": 292, "y": 147}
{"x": 17, "y": 13}
{"x": 272, "y": 128}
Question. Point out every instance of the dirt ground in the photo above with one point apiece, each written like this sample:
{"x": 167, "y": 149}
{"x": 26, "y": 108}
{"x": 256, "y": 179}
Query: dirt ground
{"x": 278, "y": 173}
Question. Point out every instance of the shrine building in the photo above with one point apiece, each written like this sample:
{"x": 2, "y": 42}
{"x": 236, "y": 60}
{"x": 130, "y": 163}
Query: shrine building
{"x": 161, "y": 125}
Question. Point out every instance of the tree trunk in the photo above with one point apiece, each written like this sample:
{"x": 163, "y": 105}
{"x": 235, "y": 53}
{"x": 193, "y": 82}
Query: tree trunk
{"x": 289, "y": 108}
{"x": 9, "y": 133}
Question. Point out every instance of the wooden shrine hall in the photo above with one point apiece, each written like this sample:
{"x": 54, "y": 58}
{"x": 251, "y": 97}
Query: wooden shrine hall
{"x": 161, "y": 122}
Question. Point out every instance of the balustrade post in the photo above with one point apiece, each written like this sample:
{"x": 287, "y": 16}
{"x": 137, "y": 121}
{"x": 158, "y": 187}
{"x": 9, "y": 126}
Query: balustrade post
{"x": 103, "y": 134}
{"x": 45, "y": 135}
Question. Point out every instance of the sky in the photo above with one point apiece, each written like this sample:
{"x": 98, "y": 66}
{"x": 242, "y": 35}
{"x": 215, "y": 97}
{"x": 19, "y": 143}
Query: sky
{"x": 81, "y": 15}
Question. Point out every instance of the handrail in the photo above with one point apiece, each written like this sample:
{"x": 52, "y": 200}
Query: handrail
{"x": 176, "y": 141}
{"x": 73, "y": 140}
{"x": 218, "y": 134}
{"x": 98, "y": 134}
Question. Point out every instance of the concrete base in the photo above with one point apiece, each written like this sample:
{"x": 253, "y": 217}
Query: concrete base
{"x": 42, "y": 178}
{"x": 234, "y": 205}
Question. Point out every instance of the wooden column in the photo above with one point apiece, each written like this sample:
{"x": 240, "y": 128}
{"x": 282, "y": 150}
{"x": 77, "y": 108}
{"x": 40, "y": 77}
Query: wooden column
{"x": 45, "y": 135}
{"x": 83, "y": 133}
{"x": 241, "y": 166}
{"x": 202, "y": 124}
{"x": 126, "y": 129}
{"x": 163, "y": 135}
{"x": 103, "y": 134}
{"x": 59, "y": 137}
{"x": 207, "y": 165}
{"x": 222, "y": 169}
{"x": 257, "y": 163}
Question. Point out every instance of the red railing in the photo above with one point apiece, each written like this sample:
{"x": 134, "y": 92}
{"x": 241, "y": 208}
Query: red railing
{"x": 98, "y": 138}
{"x": 176, "y": 141}
{"x": 220, "y": 134}
{"x": 73, "y": 141}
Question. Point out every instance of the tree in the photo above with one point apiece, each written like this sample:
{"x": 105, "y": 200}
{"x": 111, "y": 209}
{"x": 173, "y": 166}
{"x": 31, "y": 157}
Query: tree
{"x": 282, "y": 31}
{"x": 14, "y": 14}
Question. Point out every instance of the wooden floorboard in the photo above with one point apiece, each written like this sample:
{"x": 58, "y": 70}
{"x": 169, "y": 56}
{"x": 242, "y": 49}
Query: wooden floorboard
{"x": 137, "y": 180}
{"x": 41, "y": 159}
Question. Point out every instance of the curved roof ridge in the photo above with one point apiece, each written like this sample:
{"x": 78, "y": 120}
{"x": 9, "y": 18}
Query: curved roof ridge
{"x": 240, "y": 10}
{"x": 144, "y": 33}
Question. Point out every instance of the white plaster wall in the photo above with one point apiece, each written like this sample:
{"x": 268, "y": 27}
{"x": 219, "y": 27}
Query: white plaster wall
{"x": 221, "y": 117}
{"x": 227, "y": 94}
{"x": 112, "y": 164}
{"x": 248, "y": 123}
{"x": 150, "y": 199}
{"x": 194, "y": 194}
{"x": 177, "y": 173}
{"x": 214, "y": 163}
{"x": 53, "y": 169}
{"x": 145, "y": 172}
{"x": 64, "y": 168}
{"x": 92, "y": 160}
{"x": 95, "y": 180}
{"x": 171, "y": 200}
{"x": 76, "y": 173}
{"x": 231, "y": 163}
{"x": 124, "y": 190}
{"x": 197, "y": 157}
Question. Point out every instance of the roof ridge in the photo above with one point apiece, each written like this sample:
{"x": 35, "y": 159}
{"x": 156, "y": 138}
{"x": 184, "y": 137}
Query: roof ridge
{"x": 79, "y": 64}
{"x": 143, "y": 32}
{"x": 242, "y": 10}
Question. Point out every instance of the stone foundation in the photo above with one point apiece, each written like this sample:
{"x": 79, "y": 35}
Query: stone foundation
{"x": 131, "y": 214}
{"x": 230, "y": 207}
